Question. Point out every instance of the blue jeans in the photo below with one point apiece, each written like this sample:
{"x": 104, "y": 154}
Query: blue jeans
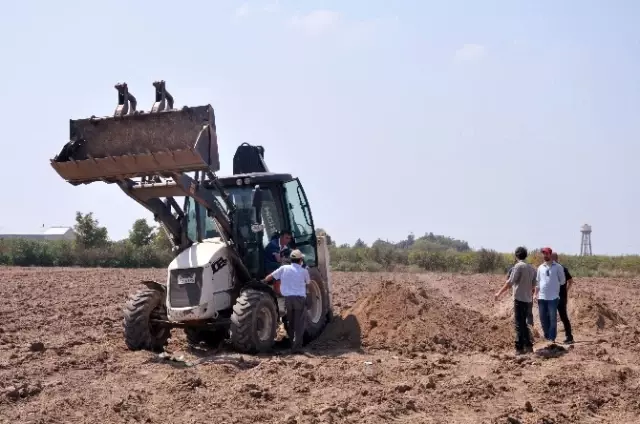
{"x": 549, "y": 318}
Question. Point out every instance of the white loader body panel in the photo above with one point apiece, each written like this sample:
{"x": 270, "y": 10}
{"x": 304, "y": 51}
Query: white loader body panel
{"x": 199, "y": 281}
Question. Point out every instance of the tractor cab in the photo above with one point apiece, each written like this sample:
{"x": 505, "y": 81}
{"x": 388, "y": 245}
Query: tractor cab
{"x": 265, "y": 205}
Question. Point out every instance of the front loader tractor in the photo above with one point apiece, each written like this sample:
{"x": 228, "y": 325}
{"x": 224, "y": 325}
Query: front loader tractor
{"x": 219, "y": 231}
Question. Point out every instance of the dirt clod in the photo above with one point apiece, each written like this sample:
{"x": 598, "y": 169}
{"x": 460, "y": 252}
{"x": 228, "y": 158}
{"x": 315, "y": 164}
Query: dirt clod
{"x": 402, "y": 387}
{"x": 36, "y": 347}
{"x": 12, "y": 393}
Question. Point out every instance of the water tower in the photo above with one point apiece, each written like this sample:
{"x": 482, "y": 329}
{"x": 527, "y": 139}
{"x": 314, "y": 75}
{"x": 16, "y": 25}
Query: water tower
{"x": 585, "y": 245}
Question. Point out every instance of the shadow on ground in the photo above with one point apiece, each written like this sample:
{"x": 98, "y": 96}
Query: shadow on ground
{"x": 551, "y": 351}
{"x": 211, "y": 355}
{"x": 342, "y": 335}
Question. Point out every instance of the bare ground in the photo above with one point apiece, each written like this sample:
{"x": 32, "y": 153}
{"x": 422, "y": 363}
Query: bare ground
{"x": 432, "y": 348}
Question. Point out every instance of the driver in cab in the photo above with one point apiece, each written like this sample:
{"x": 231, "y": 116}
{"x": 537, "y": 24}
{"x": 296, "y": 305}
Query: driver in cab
{"x": 276, "y": 251}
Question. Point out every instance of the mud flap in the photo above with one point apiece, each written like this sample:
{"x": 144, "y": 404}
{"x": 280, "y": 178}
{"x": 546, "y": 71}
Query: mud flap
{"x": 154, "y": 285}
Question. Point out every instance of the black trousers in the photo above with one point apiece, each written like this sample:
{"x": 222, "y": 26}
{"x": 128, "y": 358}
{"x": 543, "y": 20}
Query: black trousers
{"x": 296, "y": 314}
{"x": 562, "y": 311}
{"x": 521, "y": 312}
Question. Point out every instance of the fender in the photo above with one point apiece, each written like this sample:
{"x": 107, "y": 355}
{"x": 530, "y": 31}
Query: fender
{"x": 154, "y": 285}
{"x": 257, "y": 285}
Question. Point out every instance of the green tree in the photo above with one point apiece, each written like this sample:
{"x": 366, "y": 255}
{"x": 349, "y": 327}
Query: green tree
{"x": 160, "y": 240}
{"x": 141, "y": 233}
{"x": 89, "y": 233}
{"x": 360, "y": 244}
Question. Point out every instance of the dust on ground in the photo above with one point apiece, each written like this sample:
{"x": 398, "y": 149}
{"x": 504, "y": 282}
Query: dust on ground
{"x": 431, "y": 348}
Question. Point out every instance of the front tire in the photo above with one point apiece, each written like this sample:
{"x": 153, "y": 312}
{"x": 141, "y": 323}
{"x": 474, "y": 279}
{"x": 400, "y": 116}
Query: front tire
{"x": 254, "y": 322}
{"x": 139, "y": 332}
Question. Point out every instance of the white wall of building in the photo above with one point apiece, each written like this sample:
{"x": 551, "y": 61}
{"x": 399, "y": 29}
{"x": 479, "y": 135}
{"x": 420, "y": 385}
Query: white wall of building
{"x": 53, "y": 233}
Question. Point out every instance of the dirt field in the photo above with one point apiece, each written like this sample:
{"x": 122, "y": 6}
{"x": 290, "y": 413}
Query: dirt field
{"x": 430, "y": 348}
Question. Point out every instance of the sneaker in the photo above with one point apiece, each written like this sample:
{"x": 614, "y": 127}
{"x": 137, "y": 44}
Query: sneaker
{"x": 568, "y": 341}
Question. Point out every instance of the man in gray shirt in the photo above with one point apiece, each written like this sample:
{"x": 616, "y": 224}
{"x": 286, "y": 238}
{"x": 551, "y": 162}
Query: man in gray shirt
{"x": 530, "y": 313}
{"x": 522, "y": 280}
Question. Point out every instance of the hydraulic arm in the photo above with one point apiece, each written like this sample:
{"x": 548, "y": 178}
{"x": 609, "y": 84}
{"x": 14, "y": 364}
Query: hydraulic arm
{"x": 148, "y": 155}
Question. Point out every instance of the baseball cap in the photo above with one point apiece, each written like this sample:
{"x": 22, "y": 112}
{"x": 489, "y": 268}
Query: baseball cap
{"x": 296, "y": 254}
{"x": 547, "y": 250}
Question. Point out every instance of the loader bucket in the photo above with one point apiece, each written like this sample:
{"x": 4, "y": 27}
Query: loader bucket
{"x": 139, "y": 144}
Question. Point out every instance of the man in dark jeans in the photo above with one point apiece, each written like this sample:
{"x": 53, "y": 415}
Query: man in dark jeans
{"x": 562, "y": 304}
{"x": 530, "y": 313}
{"x": 522, "y": 280}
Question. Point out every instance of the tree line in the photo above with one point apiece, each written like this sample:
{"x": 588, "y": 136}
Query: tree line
{"x": 148, "y": 246}
{"x": 438, "y": 253}
{"x": 145, "y": 247}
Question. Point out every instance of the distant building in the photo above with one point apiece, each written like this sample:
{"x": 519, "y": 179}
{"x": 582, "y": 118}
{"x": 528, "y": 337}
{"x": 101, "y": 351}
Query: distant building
{"x": 51, "y": 233}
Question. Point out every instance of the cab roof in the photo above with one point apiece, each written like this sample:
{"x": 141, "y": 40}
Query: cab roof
{"x": 255, "y": 178}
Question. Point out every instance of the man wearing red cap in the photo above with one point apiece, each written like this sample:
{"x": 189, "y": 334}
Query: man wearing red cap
{"x": 549, "y": 279}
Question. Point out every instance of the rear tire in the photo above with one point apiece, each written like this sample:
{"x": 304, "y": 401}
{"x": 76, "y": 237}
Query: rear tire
{"x": 211, "y": 338}
{"x": 254, "y": 322}
{"x": 317, "y": 309}
{"x": 139, "y": 332}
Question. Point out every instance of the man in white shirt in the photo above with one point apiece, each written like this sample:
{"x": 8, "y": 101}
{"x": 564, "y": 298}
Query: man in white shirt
{"x": 293, "y": 286}
{"x": 549, "y": 278}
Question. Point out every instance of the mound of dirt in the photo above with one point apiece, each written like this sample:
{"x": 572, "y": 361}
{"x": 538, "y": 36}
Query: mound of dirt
{"x": 591, "y": 312}
{"x": 410, "y": 318}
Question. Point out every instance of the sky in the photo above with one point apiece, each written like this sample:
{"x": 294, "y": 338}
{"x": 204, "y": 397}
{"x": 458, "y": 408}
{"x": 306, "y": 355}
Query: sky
{"x": 502, "y": 123}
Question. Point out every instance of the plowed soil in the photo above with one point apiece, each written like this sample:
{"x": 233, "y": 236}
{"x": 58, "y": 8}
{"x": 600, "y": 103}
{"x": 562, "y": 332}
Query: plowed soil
{"x": 432, "y": 348}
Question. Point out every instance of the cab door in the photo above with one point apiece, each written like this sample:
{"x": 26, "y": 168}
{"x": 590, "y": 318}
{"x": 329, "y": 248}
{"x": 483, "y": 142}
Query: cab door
{"x": 300, "y": 220}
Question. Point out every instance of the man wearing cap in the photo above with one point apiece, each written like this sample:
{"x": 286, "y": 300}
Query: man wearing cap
{"x": 293, "y": 286}
{"x": 522, "y": 280}
{"x": 562, "y": 304}
{"x": 550, "y": 277}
